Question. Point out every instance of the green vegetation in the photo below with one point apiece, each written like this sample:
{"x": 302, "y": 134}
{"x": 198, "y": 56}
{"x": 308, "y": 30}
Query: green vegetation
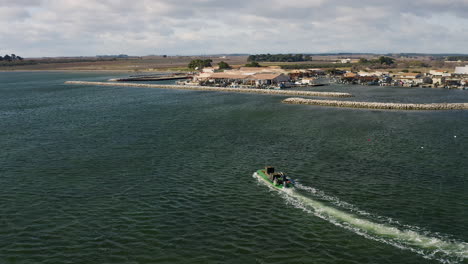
{"x": 386, "y": 60}
{"x": 316, "y": 65}
{"x": 363, "y": 61}
{"x": 253, "y": 64}
{"x": 457, "y": 58}
{"x": 279, "y": 57}
{"x": 224, "y": 66}
{"x": 416, "y": 64}
{"x": 11, "y": 58}
{"x": 381, "y": 60}
{"x": 199, "y": 64}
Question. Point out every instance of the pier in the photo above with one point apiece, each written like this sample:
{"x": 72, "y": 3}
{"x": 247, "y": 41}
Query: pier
{"x": 217, "y": 89}
{"x": 377, "y": 105}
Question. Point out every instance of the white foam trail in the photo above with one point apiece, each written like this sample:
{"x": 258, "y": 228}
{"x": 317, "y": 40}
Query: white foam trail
{"x": 445, "y": 251}
{"x": 336, "y": 201}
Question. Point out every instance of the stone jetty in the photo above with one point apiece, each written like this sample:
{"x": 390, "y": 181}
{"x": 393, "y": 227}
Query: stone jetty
{"x": 377, "y": 105}
{"x": 218, "y": 89}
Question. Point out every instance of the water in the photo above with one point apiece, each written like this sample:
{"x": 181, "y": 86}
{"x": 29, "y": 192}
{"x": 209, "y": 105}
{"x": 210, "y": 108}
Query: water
{"x": 126, "y": 175}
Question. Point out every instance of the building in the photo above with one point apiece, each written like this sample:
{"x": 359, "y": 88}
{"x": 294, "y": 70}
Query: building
{"x": 461, "y": 70}
{"x": 345, "y": 61}
{"x": 441, "y": 73}
{"x": 243, "y": 78}
{"x": 410, "y": 75}
{"x": 438, "y": 80}
{"x": 375, "y": 73}
{"x": 268, "y": 78}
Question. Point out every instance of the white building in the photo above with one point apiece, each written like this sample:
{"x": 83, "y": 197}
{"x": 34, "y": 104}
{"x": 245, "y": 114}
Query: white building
{"x": 346, "y": 60}
{"x": 461, "y": 70}
{"x": 441, "y": 73}
{"x": 375, "y": 73}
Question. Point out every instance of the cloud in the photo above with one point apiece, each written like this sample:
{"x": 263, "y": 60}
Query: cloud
{"x": 139, "y": 27}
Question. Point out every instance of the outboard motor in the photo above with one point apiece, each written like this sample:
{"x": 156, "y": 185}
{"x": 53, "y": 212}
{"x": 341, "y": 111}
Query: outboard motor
{"x": 285, "y": 180}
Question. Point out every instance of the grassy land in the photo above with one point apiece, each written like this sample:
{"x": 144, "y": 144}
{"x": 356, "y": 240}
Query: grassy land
{"x": 179, "y": 63}
{"x": 134, "y": 64}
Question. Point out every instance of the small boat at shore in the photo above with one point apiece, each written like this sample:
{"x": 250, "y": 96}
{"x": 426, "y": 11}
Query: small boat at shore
{"x": 277, "y": 179}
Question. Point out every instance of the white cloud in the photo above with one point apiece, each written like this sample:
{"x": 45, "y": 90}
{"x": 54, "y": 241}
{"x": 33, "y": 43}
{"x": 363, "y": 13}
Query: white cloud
{"x": 139, "y": 27}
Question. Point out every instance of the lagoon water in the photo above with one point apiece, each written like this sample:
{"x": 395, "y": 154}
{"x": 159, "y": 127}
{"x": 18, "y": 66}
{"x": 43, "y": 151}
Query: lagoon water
{"x": 137, "y": 175}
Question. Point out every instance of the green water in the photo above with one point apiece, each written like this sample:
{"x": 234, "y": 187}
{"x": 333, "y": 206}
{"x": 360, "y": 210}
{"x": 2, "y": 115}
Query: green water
{"x": 134, "y": 175}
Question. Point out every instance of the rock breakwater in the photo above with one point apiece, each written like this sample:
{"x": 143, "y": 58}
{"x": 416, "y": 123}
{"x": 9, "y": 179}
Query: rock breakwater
{"x": 217, "y": 89}
{"x": 378, "y": 105}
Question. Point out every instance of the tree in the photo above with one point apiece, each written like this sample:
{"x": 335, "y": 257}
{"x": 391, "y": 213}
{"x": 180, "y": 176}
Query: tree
{"x": 386, "y": 60}
{"x": 253, "y": 64}
{"x": 20, "y": 58}
{"x": 199, "y": 64}
{"x": 223, "y": 65}
{"x": 363, "y": 60}
{"x": 1, "y": 58}
{"x": 7, "y": 58}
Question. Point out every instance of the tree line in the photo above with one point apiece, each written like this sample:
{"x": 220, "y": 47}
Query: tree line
{"x": 279, "y": 57}
{"x": 11, "y": 58}
{"x": 381, "y": 60}
{"x": 457, "y": 58}
{"x": 199, "y": 64}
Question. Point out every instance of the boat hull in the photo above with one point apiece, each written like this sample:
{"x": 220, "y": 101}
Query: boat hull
{"x": 264, "y": 176}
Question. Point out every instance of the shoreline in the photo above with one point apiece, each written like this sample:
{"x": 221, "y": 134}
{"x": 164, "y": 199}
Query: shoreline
{"x": 90, "y": 71}
{"x": 378, "y": 105}
{"x": 217, "y": 89}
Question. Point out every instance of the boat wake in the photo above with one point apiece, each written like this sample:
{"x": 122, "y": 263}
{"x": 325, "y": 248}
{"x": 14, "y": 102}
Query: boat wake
{"x": 382, "y": 229}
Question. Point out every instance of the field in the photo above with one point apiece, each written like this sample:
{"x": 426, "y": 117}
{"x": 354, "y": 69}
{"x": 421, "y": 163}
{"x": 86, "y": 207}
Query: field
{"x": 132, "y": 64}
{"x": 180, "y": 63}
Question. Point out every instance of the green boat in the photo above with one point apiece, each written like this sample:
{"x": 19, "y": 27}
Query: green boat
{"x": 277, "y": 179}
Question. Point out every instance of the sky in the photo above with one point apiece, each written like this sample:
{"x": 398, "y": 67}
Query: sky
{"x": 37, "y": 28}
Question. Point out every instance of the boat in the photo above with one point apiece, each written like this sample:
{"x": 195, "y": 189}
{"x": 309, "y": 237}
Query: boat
{"x": 277, "y": 179}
